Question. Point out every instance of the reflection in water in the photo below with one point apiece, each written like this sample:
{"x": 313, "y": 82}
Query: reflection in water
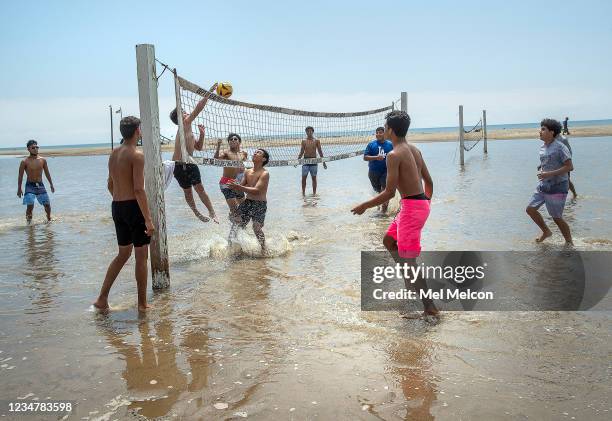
{"x": 411, "y": 365}
{"x": 169, "y": 369}
{"x": 152, "y": 375}
{"x": 249, "y": 281}
{"x": 40, "y": 274}
{"x": 196, "y": 344}
{"x": 558, "y": 279}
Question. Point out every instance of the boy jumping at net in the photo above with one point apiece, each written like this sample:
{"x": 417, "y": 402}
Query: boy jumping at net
{"x": 188, "y": 174}
{"x": 555, "y": 165}
{"x": 406, "y": 172}
{"x": 309, "y": 149}
{"x": 255, "y": 185}
{"x": 34, "y": 166}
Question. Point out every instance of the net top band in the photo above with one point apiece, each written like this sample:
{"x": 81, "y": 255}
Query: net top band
{"x": 190, "y": 86}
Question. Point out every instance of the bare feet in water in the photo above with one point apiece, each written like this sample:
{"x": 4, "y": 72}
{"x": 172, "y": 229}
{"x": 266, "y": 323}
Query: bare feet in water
{"x": 101, "y": 304}
{"x": 427, "y": 314}
{"x": 544, "y": 236}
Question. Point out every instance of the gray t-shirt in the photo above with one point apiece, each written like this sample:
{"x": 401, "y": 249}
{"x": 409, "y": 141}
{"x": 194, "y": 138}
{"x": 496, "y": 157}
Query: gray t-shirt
{"x": 564, "y": 140}
{"x": 552, "y": 157}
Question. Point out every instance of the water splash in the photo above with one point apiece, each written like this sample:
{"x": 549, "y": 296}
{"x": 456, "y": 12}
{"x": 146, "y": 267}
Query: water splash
{"x": 194, "y": 247}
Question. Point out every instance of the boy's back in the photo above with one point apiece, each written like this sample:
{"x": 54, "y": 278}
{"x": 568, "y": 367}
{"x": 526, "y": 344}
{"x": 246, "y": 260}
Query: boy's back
{"x": 120, "y": 166}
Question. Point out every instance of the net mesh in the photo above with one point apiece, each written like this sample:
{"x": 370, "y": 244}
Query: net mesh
{"x": 279, "y": 130}
{"x": 473, "y": 136}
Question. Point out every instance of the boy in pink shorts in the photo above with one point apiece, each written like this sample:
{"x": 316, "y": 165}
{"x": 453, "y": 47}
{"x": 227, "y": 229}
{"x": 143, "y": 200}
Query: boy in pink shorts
{"x": 406, "y": 172}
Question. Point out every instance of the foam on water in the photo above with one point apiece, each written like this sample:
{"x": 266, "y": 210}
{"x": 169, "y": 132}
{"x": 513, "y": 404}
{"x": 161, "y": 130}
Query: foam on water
{"x": 193, "y": 246}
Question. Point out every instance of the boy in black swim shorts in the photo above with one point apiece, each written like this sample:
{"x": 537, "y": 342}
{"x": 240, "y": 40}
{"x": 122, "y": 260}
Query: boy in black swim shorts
{"x": 130, "y": 210}
{"x": 188, "y": 174}
{"x": 255, "y": 185}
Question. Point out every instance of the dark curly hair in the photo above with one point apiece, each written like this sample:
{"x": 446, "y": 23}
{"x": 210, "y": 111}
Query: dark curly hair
{"x": 174, "y": 116}
{"x": 552, "y": 125}
{"x": 399, "y": 122}
{"x": 266, "y": 156}
{"x": 229, "y": 136}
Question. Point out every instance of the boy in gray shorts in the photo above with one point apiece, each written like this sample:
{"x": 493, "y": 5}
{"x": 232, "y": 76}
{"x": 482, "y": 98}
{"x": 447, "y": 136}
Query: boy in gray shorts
{"x": 555, "y": 164}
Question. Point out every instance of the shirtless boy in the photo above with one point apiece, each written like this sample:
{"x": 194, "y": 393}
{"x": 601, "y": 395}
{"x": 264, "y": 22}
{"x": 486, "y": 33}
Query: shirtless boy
{"x": 130, "y": 211}
{"x": 34, "y": 166}
{"x": 406, "y": 172}
{"x": 188, "y": 174}
{"x": 255, "y": 185}
{"x": 231, "y": 174}
{"x": 309, "y": 149}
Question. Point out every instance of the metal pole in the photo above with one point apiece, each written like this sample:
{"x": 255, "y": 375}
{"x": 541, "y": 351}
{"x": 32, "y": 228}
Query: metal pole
{"x": 154, "y": 175}
{"x": 461, "y": 133}
{"x": 111, "y": 118}
{"x": 484, "y": 129}
{"x": 404, "y": 101}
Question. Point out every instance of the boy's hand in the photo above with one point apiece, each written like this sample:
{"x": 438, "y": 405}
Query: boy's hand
{"x": 213, "y": 88}
{"x": 234, "y": 185}
{"x": 150, "y": 229}
{"x": 19, "y": 192}
{"x": 325, "y": 165}
{"x": 52, "y": 189}
{"x": 202, "y": 129}
{"x": 543, "y": 175}
{"x": 359, "y": 210}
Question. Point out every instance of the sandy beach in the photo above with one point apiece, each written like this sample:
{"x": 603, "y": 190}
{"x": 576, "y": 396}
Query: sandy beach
{"x": 237, "y": 336}
{"x": 413, "y": 136}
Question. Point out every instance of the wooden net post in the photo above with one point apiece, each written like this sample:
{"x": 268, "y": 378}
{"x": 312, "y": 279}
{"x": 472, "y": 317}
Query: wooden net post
{"x": 179, "y": 118}
{"x": 484, "y": 129}
{"x": 461, "y": 134}
{"x": 404, "y": 101}
{"x": 154, "y": 174}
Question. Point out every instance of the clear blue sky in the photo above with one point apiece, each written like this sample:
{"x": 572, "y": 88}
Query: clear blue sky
{"x": 63, "y": 62}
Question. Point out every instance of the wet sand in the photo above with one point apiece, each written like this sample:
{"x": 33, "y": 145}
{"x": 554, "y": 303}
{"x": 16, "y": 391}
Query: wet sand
{"x": 413, "y": 136}
{"x": 239, "y": 336}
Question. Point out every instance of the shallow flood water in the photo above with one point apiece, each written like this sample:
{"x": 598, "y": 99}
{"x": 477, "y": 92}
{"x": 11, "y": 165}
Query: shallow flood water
{"x": 238, "y": 335}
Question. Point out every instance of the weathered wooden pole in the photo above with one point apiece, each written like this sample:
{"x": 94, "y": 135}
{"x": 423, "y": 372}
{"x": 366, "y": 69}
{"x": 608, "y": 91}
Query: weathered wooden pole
{"x": 484, "y": 129}
{"x": 179, "y": 118}
{"x": 154, "y": 177}
{"x": 404, "y": 101}
{"x": 461, "y": 133}
{"x": 110, "y": 108}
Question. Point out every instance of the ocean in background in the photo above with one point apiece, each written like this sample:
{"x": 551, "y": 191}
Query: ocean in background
{"x": 468, "y": 124}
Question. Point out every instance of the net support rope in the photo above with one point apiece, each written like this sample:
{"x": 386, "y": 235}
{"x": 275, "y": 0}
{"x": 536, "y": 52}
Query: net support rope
{"x": 277, "y": 129}
{"x": 473, "y": 136}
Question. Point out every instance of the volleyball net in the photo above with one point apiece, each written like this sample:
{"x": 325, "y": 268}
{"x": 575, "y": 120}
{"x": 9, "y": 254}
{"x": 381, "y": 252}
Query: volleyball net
{"x": 472, "y": 136}
{"x": 469, "y": 138}
{"x": 279, "y": 130}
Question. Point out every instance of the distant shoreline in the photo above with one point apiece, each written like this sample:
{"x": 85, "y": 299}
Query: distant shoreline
{"x": 415, "y": 136}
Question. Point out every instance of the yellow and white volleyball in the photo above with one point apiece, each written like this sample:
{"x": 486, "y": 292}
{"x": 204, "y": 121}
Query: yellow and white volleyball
{"x": 225, "y": 89}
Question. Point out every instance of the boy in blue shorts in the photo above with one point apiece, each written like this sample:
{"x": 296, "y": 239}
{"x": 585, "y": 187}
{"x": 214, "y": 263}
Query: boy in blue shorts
{"x": 309, "y": 149}
{"x": 376, "y": 155}
{"x": 34, "y": 166}
{"x": 555, "y": 164}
